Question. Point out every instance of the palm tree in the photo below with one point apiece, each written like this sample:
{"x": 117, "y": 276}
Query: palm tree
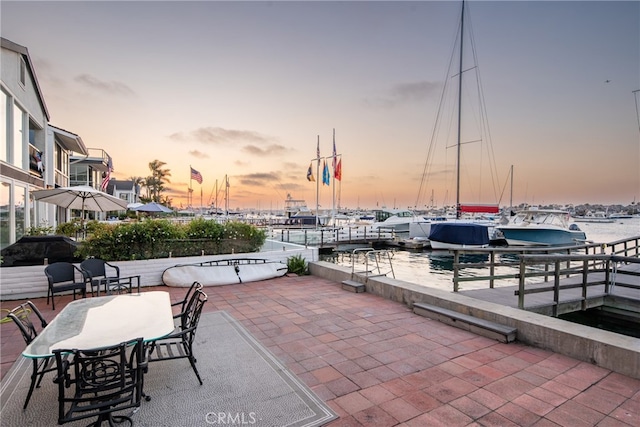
{"x": 159, "y": 177}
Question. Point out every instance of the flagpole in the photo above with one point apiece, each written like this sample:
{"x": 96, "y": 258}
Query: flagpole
{"x": 318, "y": 183}
{"x": 333, "y": 208}
{"x": 190, "y": 197}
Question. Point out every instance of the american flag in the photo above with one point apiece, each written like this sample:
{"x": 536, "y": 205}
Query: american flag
{"x": 106, "y": 176}
{"x": 196, "y": 175}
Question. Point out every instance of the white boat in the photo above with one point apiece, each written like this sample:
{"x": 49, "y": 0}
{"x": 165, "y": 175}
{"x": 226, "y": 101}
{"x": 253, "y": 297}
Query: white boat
{"x": 597, "y": 217}
{"x": 397, "y": 220}
{"x": 223, "y": 272}
{"x": 542, "y": 227}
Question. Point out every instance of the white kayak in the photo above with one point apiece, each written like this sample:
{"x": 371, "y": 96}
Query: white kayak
{"x": 223, "y": 272}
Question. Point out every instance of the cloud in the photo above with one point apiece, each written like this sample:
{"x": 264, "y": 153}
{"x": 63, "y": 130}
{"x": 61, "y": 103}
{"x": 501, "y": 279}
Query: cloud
{"x": 218, "y": 135}
{"x": 113, "y": 88}
{"x": 258, "y": 179}
{"x": 271, "y": 150}
{"x": 405, "y": 93}
{"x": 198, "y": 154}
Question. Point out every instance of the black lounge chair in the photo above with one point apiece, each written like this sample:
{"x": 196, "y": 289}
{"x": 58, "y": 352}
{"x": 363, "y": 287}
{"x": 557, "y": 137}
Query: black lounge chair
{"x": 95, "y": 271}
{"x": 62, "y": 278}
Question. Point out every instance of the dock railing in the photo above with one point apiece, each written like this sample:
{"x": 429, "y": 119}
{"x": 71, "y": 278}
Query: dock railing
{"x": 505, "y": 264}
{"x": 330, "y": 236}
{"x": 591, "y": 270}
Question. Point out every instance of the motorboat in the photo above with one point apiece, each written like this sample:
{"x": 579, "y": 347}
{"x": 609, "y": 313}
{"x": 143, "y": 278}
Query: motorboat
{"x": 397, "y": 220}
{"x": 596, "y": 217}
{"x": 542, "y": 227}
{"x": 459, "y": 235}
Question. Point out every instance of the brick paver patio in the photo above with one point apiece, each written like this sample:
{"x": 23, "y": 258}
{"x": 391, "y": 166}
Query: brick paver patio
{"x": 376, "y": 363}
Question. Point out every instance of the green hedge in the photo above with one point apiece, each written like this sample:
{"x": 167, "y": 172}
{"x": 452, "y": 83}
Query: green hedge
{"x": 151, "y": 239}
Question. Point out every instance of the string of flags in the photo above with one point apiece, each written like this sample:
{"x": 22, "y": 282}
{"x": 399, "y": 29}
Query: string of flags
{"x": 326, "y": 174}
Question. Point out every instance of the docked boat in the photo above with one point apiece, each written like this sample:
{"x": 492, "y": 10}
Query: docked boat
{"x": 397, "y": 220}
{"x": 542, "y": 227}
{"x": 223, "y": 272}
{"x": 595, "y": 217}
{"x": 459, "y": 235}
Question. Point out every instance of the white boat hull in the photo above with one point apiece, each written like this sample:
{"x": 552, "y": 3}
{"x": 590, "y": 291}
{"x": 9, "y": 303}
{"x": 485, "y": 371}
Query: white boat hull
{"x": 228, "y": 272}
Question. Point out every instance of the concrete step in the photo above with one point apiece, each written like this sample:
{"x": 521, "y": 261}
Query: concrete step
{"x": 482, "y": 327}
{"x": 353, "y": 286}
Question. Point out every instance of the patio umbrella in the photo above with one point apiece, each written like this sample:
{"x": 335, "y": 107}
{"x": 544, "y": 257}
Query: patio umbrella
{"x": 152, "y": 207}
{"x": 81, "y": 197}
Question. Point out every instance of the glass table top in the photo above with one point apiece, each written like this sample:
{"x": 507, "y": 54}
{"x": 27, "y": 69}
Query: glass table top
{"x": 105, "y": 321}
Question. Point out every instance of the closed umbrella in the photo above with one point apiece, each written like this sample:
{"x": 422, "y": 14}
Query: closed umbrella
{"x": 82, "y": 197}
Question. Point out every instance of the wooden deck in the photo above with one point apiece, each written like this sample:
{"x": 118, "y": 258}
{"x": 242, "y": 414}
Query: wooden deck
{"x": 568, "y": 298}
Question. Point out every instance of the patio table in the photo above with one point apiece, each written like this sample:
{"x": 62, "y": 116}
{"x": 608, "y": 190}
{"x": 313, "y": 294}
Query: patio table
{"x": 105, "y": 321}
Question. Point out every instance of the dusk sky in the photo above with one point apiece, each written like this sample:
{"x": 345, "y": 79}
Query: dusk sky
{"x": 244, "y": 89}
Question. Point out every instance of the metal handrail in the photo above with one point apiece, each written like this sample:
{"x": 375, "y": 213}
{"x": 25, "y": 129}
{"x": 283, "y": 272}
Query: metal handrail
{"x": 376, "y": 256}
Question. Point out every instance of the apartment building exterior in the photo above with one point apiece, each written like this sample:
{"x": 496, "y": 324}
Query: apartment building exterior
{"x": 34, "y": 154}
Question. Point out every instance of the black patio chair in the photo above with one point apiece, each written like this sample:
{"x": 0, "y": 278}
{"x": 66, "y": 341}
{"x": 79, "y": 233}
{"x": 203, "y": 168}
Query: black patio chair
{"x": 187, "y": 297}
{"x": 22, "y": 316}
{"x": 100, "y": 382}
{"x": 179, "y": 344}
{"x": 97, "y": 273}
{"x": 62, "y": 278}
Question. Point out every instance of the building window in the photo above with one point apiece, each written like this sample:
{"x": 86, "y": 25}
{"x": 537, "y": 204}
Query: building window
{"x": 79, "y": 175}
{"x": 5, "y": 214}
{"x": 22, "y": 213}
{"x": 18, "y": 136}
{"x": 23, "y": 72}
{"x": 4, "y": 125}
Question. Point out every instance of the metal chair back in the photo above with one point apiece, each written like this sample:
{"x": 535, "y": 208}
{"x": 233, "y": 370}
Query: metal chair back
{"x": 100, "y": 382}
{"x": 26, "y": 316}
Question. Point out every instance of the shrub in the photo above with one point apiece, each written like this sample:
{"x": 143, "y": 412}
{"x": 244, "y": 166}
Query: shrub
{"x": 39, "y": 231}
{"x": 159, "y": 238}
{"x": 298, "y": 265}
{"x": 69, "y": 229}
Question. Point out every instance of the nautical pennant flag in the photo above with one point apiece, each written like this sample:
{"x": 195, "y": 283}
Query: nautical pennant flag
{"x": 310, "y": 174}
{"x": 318, "y": 150}
{"x": 196, "y": 175}
{"x": 333, "y": 164}
{"x": 337, "y": 174}
{"x": 325, "y": 173}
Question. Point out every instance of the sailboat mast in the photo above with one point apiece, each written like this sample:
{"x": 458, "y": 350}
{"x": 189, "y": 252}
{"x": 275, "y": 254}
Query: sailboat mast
{"x": 333, "y": 207}
{"x": 318, "y": 184}
{"x": 459, "y": 114}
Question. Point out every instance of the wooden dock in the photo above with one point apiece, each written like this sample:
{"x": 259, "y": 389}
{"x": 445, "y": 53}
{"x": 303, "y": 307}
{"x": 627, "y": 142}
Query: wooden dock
{"x": 560, "y": 295}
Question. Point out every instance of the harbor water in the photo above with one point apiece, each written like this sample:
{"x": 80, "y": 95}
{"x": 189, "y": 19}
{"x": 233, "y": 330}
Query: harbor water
{"x": 435, "y": 268}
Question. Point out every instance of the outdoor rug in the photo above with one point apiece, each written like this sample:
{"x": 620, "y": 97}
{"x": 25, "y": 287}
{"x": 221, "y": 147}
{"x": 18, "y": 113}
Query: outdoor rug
{"x": 244, "y": 384}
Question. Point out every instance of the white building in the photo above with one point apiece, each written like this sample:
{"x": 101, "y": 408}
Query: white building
{"x": 34, "y": 154}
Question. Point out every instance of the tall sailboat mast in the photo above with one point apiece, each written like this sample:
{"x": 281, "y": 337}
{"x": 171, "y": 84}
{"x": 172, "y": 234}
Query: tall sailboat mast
{"x": 318, "y": 184}
{"x": 458, "y": 208}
